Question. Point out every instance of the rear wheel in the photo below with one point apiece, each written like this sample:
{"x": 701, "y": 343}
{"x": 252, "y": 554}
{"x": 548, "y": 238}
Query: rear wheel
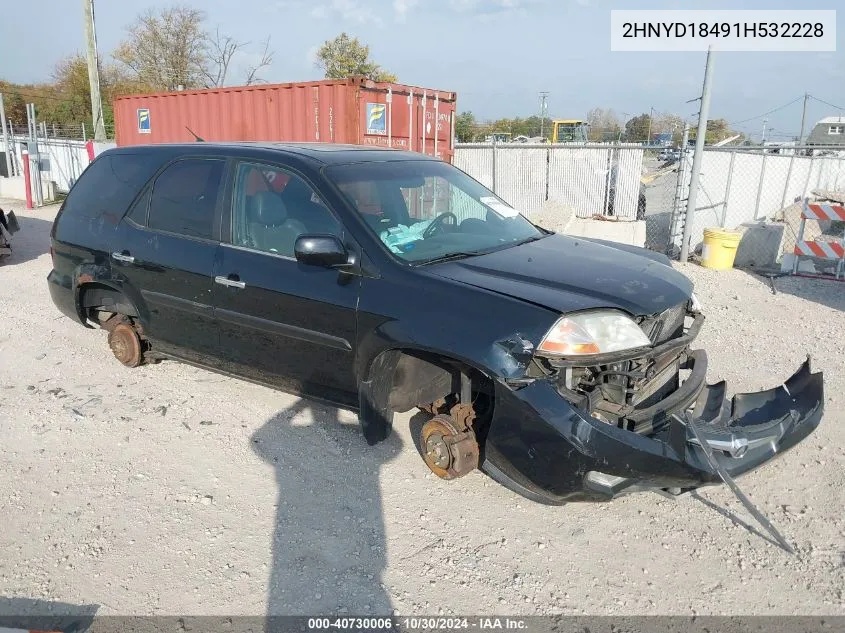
{"x": 126, "y": 345}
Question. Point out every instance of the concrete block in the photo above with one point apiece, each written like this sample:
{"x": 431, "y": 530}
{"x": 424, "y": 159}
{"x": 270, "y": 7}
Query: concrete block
{"x": 632, "y": 233}
{"x": 553, "y": 216}
{"x": 15, "y": 188}
{"x": 760, "y": 246}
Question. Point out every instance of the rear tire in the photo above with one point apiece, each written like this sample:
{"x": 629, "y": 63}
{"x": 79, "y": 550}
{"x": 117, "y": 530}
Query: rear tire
{"x": 126, "y": 345}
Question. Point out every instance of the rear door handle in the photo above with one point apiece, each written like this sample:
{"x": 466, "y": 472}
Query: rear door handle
{"x": 123, "y": 257}
{"x": 232, "y": 281}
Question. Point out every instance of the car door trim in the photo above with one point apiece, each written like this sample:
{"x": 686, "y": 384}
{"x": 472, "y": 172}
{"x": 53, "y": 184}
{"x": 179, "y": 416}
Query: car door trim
{"x": 290, "y": 331}
{"x": 258, "y": 251}
{"x": 177, "y": 303}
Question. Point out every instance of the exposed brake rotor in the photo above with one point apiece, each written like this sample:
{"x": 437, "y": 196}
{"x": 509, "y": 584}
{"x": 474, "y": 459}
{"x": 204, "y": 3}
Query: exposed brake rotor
{"x": 447, "y": 451}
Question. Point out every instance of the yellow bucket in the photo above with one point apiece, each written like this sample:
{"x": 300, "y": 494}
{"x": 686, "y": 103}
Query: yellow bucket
{"x": 719, "y": 248}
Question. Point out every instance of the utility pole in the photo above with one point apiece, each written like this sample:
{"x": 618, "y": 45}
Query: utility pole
{"x": 650, "y": 118}
{"x": 543, "y": 96}
{"x": 93, "y": 71}
{"x": 803, "y": 119}
{"x": 699, "y": 151}
{"x": 763, "y": 138}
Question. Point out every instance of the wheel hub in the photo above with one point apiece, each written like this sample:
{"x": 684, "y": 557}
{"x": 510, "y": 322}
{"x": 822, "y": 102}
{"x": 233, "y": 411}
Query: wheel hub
{"x": 125, "y": 345}
{"x": 448, "y": 452}
{"x": 438, "y": 451}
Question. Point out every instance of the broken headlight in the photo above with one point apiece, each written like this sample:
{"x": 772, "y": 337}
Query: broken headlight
{"x": 597, "y": 332}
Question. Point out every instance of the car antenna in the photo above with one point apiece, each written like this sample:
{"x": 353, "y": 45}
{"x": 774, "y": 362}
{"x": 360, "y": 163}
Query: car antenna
{"x": 198, "y": 139}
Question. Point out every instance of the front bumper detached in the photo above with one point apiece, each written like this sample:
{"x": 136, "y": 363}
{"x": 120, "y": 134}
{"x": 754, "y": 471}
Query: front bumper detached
{"x": 547, "y": 450}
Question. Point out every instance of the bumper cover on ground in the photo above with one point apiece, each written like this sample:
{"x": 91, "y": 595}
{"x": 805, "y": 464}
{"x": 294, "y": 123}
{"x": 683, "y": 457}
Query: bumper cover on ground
{"x": 545, "y": 449}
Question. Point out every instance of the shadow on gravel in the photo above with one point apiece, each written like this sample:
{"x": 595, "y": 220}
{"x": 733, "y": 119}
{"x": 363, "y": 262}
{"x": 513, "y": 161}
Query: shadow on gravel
{"x": 329, "y": 540}
{"x": 45, "y": 615}
{"x": 735, "y": 519}
{"x": 826, "y": 292}
{"x": 32, "y": 241}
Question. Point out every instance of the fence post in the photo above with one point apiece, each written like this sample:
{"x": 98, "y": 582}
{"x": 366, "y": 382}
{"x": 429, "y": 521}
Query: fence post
{"x": 27, "y": 179}
{"x": 680, "y": 184}
{"x": 728, "y": 189}
{"x": 760, "y": 185}
{"x": 548, "y": 170}
{"x": 609, "y": 164}
{"x": 494, "y": 164}
{"x": 788, "y": 178}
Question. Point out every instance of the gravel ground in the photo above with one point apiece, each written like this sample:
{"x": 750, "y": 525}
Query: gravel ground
{"x": 169, "y": 489}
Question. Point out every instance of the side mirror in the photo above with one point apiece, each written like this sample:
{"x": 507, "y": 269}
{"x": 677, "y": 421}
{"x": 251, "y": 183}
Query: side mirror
{"x": 320, "y": 250}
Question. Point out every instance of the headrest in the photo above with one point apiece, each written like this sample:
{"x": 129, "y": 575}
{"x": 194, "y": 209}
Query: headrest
{"x": 268, "y": 209}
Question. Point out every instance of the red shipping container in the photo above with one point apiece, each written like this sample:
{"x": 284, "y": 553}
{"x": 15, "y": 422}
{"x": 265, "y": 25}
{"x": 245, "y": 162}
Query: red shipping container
{"x": 354, "y": 110}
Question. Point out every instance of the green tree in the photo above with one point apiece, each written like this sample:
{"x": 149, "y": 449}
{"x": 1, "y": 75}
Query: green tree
{"x": 636, "y": 129}
{"x": 345, "y": 56}
{"x": 465, "y": 127}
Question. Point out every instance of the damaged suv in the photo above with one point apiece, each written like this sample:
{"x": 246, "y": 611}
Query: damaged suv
{"x": 384, "y": 281}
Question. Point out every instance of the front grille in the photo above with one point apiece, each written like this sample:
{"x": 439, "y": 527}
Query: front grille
{"x": 667, "y": 325}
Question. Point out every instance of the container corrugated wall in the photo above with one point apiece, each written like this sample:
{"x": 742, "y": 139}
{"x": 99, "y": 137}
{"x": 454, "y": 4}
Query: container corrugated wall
{"x": 353, "y": 111}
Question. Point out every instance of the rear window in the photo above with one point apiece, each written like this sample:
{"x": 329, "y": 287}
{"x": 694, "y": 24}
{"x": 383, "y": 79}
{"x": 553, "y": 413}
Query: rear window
{"x": 110, "y": 184}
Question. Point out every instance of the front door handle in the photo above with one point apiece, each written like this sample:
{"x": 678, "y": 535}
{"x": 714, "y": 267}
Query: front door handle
{"x": 232, "y": 281}
{"x": 123, "y": 257}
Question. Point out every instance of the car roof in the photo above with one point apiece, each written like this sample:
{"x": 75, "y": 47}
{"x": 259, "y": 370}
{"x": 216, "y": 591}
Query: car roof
{"x": 325, "y": 153}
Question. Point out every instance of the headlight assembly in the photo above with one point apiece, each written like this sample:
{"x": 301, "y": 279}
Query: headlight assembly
{"x": 589, "y": 333}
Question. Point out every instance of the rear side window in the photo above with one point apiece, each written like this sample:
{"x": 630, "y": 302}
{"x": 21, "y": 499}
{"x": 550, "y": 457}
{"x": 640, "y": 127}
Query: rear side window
{"x": 109, "y": 185}
{"x": 184, "y": 198}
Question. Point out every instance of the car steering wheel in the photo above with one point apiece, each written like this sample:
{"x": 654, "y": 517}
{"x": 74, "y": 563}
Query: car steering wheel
{"x": 437, "y": 223}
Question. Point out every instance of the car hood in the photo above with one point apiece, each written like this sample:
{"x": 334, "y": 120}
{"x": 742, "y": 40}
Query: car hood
{"x": 566, "y": 274}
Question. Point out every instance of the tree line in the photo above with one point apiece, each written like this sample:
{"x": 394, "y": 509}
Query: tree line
{"x": 603, "y": 125}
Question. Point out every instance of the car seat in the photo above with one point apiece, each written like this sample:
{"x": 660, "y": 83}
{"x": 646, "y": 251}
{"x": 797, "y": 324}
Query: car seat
{"x": 270, "y": 228}
{"x": 313, "y": 216}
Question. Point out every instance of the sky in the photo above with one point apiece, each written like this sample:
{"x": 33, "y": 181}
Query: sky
{"x": 497, "y": 55}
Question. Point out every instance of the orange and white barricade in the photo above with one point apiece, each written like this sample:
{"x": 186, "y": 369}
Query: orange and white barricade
{"x": 818, "y": 248}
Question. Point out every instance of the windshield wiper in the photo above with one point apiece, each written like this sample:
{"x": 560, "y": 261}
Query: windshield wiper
{"x": 448, "y": 257}
{"x": 533, "y": 238}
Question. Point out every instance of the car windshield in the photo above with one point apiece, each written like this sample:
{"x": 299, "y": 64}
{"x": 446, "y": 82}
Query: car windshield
{"x": 428, "y": 210}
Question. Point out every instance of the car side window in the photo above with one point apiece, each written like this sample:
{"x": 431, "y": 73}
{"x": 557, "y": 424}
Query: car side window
{"x": 271, "y": 207}
{"x": 184, "y": 197}
{"x": 138, "y": 212}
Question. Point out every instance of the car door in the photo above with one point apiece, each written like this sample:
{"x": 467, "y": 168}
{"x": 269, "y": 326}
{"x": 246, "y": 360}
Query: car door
{"x": 281, "y": 321}
{"x": 164, "y": 256}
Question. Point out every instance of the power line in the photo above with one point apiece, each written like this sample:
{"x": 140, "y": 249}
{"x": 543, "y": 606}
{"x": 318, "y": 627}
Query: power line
{"x": 760, "y": 116}
{"x": 826, "y": 103}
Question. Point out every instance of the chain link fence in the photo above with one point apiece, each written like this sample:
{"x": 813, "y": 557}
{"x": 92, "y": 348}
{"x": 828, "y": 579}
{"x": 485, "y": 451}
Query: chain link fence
{"x": 759, "y": 192}
{"x": 555, "y": 183}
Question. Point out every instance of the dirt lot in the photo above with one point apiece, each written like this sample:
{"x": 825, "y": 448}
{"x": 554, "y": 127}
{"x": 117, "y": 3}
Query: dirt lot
{"x": 169, "y": 489}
